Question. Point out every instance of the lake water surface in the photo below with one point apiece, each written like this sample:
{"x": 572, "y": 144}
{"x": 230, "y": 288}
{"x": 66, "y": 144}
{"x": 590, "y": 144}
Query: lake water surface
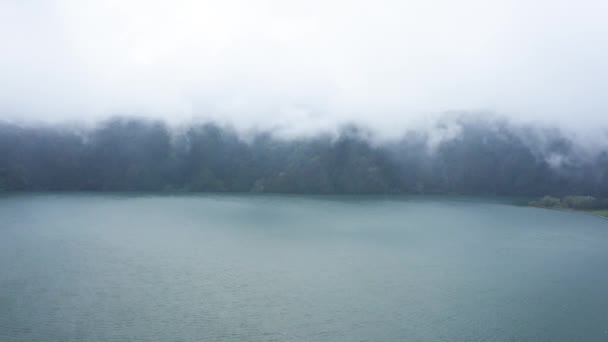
{"x": 81, "y": 267}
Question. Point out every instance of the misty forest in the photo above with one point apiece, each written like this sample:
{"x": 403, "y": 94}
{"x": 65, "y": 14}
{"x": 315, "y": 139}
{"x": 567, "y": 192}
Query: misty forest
{"x": 485, "y": 157}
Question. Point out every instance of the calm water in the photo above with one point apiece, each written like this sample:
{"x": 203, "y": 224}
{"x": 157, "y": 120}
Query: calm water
{"x": 287, "y": 268}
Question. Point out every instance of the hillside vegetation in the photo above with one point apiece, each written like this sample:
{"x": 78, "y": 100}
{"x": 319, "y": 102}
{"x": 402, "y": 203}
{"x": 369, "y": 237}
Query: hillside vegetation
{"x": 125, "y": 154}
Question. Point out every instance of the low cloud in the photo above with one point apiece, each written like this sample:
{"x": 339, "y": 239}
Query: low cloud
{"x": 300, "y": 68}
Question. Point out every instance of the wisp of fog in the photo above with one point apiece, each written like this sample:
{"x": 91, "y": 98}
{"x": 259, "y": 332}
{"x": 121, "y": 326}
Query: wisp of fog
{"x": 304, "y": 67}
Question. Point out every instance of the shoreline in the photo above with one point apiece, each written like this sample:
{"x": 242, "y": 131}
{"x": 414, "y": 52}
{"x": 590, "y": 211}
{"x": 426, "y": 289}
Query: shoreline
{"x": 572, "y": 211}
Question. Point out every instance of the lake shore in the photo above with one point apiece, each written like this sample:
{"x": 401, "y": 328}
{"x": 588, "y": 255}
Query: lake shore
{"x": 603, "y": 214}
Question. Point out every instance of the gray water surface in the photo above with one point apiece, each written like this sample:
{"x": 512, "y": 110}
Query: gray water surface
{"x": 82, "y": 267}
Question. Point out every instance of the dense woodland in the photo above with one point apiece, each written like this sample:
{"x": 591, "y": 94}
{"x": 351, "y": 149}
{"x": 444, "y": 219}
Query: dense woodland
{"x": 125, "y": 154}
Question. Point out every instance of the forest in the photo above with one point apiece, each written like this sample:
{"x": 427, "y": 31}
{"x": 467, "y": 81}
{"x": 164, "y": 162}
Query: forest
{"x": 134, "y": 154}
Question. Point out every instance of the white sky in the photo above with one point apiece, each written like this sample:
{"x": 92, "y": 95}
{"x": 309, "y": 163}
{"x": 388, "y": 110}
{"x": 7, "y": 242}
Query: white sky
{"x": 305, "y": 65}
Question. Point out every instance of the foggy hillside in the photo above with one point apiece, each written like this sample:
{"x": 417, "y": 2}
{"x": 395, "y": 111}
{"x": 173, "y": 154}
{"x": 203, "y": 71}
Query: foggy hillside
{"x": 305, "y": 97}
{"x": 459, "y": 156}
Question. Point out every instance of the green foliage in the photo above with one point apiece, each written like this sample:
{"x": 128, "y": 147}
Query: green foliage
{"x": 579, "y": 202}
{"x": 547, "y": 202}
{"x": 584, "y": 203}
{"x": 603, "y": 213}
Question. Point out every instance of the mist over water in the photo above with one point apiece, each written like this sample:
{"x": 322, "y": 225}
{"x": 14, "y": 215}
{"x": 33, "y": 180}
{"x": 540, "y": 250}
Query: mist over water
{"x": 289, "y": 268}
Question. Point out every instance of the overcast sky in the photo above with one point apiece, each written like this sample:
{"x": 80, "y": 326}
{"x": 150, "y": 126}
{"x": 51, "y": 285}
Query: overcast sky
{"x": 305, "y": 65}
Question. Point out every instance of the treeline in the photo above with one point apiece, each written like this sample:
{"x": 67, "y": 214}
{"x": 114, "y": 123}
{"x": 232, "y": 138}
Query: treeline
{"x": 125, "y": 154}
{"x": 572, "y": 202}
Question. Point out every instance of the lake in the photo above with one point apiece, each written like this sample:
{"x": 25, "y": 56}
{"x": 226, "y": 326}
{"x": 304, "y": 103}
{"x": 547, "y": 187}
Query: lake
{"x": 119, "y": 267}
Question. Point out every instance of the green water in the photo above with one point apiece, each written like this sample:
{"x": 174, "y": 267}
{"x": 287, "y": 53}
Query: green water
{"x": 82, "y": 267}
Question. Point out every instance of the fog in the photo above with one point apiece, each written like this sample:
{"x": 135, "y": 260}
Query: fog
{"x": 298, "y": 68}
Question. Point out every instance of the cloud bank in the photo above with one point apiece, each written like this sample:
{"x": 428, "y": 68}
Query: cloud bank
{"x": 305, "y": 66}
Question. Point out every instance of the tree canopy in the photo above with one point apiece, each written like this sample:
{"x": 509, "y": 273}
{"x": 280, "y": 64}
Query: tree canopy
{"x": 124, "y": 154}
